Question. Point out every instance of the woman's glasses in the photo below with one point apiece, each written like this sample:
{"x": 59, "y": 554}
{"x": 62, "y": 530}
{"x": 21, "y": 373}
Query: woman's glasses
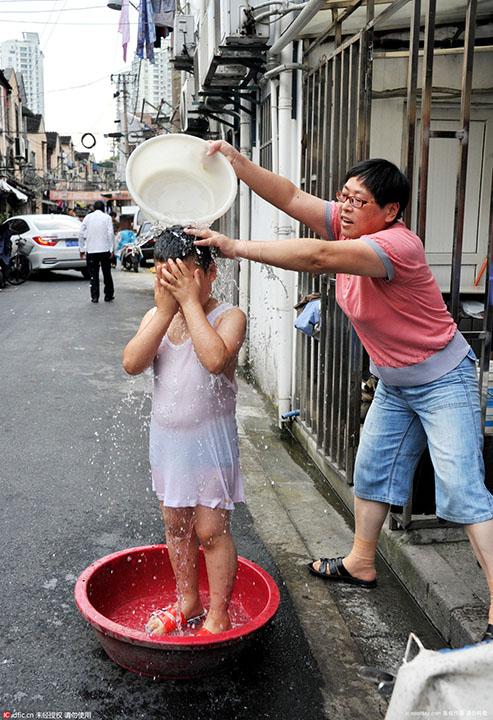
{"x": 354, "y": 201}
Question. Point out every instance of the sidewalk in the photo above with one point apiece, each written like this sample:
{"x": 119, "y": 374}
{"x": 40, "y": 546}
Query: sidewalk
{"x": 299, "y": 518}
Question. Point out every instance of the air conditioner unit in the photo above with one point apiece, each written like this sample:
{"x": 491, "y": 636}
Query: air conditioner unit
{"x": 222, "y": 20}
{"x": 20, "y": 148}
{"x": 233, "y": 20}
{"x": 183, "y": 36}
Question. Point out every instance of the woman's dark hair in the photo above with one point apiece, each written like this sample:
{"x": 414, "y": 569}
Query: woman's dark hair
{"x": 174, "y": 243}
{"x": 384, "y": 180}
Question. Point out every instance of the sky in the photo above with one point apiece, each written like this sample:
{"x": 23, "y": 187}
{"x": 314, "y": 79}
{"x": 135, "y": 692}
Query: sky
{"x": 82, "y": 48}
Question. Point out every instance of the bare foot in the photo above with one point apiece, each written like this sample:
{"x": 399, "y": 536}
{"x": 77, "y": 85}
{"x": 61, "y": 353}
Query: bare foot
{"x": 217, "y": 624}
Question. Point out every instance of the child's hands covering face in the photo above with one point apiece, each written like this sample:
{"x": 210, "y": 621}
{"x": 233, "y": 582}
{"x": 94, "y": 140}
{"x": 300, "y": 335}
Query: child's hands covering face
{"x": 182, "y": 282}
{"x": 163, "y": 299}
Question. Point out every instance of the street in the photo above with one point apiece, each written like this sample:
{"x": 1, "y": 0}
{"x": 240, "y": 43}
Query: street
{"x": 76, "y": 486}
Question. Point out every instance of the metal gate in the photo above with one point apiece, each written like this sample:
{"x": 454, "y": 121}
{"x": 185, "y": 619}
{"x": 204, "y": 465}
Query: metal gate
{"x": 336, "y": 133}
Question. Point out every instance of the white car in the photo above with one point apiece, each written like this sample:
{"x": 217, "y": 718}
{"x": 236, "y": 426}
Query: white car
{"x": 52, "y": 241}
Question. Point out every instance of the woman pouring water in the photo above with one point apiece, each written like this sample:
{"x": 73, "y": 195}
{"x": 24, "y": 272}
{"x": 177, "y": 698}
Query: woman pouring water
{"x": 427, "y": 393}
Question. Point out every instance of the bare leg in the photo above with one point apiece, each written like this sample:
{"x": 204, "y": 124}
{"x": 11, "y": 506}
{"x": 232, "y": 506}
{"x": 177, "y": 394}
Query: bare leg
{"x": 213, "y": 530}
{"x": 481, "y": 538}
{"x": 183, "y": 547}
{"x": 369, "y": 518}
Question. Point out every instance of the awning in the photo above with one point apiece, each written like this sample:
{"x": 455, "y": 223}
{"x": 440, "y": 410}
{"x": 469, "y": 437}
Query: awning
{"x": 4, "y": 185}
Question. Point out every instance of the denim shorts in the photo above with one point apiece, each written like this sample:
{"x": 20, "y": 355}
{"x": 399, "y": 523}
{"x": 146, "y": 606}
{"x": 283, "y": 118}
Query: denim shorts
{"x": 401, "y": 421}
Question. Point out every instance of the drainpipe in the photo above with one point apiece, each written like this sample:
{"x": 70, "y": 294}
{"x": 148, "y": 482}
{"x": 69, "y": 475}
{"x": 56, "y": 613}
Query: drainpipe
{"x": 244, "y": 229}
{"x": 285, "y": 229}
{"x": 309, "y": 11}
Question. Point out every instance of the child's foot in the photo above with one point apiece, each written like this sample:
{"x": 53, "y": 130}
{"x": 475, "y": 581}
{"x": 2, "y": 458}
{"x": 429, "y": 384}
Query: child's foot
{"x": 215, "y": 624}
{"x": 167, "y": 620}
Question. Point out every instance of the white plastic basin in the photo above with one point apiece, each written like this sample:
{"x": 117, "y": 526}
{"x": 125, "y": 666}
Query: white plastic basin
{"x": 174, "y": 181}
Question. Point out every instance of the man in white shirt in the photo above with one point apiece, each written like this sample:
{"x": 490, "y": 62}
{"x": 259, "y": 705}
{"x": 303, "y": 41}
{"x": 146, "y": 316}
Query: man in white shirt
{"x": 97, "y": 242}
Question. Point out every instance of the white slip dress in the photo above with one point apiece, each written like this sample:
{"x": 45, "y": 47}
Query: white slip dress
{"x": 193, "y": 451}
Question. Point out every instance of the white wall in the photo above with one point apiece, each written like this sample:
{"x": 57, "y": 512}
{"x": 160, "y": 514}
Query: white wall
{"x": 387, "y": 128}
{"x": 264, "y": 290}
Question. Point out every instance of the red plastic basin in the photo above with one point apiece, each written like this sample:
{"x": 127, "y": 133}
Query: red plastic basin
{"x": 117, "y": 593}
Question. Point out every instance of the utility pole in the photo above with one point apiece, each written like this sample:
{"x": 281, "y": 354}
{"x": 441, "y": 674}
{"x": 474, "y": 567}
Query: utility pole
{"x": 121, "y": 79}
{"x": 125, "y": 117}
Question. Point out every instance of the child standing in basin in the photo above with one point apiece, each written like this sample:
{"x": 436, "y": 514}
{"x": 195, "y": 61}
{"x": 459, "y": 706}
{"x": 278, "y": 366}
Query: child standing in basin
{"x": 193, "y": 341}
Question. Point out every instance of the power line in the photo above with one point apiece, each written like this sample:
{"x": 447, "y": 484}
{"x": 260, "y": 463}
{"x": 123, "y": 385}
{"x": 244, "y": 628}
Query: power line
{"x": 50, "y": 33}
{"x": 59, "y": 10}
{"x": 44, "y": 22}
{"x": 76, "y": 87}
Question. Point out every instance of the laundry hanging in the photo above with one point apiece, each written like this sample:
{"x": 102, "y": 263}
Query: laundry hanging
{"x": 146, "y": 33}
{"x": 164, "y": 18}
{"x": 124, "y": 27}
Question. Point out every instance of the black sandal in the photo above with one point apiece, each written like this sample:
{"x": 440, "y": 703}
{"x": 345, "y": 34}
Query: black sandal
{"x": 488, "y": 634}
{"x": 338, "y": 573}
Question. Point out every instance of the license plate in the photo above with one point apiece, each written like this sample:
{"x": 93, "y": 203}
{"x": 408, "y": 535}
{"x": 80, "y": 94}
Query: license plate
{"x": 71, "y": 243}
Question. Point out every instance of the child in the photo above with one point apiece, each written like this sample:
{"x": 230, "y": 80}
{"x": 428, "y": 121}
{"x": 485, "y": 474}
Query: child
{"x": 193, "y": 341}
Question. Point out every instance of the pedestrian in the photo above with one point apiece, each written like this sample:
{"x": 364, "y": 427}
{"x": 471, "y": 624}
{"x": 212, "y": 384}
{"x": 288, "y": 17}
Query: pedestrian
{"x": 192, "y": 340}
{"x": 427, "y": 392}
{"x": 125, "y": 236}
{"x": 96, "y": 243}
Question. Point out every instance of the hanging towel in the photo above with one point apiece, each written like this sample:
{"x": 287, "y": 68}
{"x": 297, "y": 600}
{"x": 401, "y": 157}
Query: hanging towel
{"x": 124, "y": 28}
{"x": 146, "y": 34}
{"x": 164, "y": 18}
{"x": 164, "y": 13}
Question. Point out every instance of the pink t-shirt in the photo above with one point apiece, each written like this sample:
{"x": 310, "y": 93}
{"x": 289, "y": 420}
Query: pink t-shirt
{"x": 402, "y": 319}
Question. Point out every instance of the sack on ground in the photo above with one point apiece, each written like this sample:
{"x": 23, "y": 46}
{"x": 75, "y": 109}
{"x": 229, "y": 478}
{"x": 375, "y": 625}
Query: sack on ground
{"x": 452, "y": 682}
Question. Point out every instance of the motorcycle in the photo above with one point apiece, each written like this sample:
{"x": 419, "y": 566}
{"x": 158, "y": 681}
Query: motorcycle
{"x": 131, "y": 257}
{"x": 15, "y": 267}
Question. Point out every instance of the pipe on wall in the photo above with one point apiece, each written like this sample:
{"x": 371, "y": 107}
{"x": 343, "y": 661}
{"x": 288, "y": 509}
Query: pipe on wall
{"x": 244, "y": 228}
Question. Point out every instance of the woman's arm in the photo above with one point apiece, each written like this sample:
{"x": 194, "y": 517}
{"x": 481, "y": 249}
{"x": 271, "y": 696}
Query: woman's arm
{"x": 142, "y": 349}
{"x": 354, "y": 257}
{"x": 275, "y": 189}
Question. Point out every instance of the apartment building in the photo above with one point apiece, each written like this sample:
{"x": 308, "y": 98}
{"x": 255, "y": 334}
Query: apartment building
{"x": 26, "y": 57}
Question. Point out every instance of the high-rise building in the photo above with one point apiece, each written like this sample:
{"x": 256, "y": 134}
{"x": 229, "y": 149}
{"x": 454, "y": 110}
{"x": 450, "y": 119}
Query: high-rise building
{"x": 151, "y": 82}
{"x": 25, "y": 57}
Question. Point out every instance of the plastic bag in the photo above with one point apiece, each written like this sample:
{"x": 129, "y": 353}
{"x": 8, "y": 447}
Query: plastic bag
{"x": 444, "y": 683}
{"x": 308, "y": 321}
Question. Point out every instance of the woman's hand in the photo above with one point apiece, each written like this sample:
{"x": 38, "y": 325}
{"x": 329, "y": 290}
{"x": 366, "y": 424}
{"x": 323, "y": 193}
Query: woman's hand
{"x": 164, "y": 300}
{"x": 181, "y": 282}
{"x": 227, "y": 150}
{"x": 226, "y": 246}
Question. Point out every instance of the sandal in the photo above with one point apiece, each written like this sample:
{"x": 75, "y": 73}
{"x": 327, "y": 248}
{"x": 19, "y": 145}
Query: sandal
{"x": 488, "y": 634}
{"x": 203, "y": 632}
{"x": 166, "y": 620}
{"x": 338, "y": 573}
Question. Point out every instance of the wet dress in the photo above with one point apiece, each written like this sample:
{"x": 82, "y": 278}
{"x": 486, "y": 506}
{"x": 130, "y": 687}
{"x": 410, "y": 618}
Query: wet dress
{"x": 194, "y": 452}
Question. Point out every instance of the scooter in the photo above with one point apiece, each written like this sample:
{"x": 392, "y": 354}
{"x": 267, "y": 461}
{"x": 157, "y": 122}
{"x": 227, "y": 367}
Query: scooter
{"x": 131, "y": 257}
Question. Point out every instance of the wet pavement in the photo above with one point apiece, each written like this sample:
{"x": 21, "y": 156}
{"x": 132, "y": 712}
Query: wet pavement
{"x": 76, "y": 486}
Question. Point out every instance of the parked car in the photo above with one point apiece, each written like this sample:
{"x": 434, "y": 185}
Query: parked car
{"x": 54, "y": 240}
{"x": 146, "y": 241}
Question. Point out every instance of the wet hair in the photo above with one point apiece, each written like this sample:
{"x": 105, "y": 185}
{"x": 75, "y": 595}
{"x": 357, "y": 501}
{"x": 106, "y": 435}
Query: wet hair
{"x": 99, "y": 205}
{"x": 174, "y": 242}
{"x": 384, "y": 180}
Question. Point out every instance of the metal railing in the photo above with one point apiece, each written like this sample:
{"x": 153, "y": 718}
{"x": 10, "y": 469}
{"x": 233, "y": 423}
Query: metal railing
{"x": 336, "y": 133}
